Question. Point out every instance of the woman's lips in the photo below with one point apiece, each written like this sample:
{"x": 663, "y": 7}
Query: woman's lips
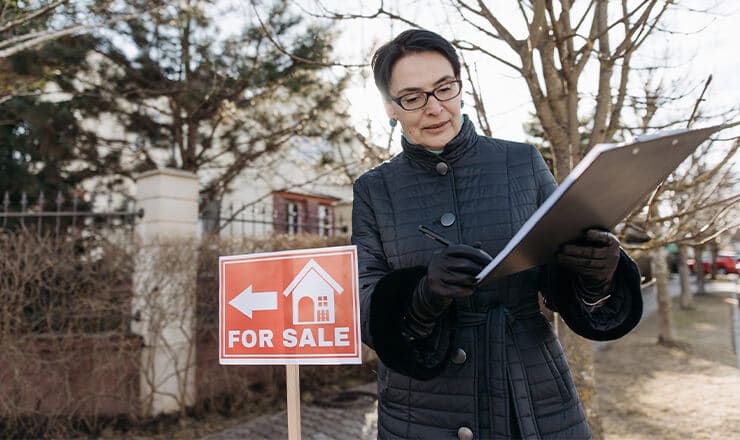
{"x": 435, "y": 128}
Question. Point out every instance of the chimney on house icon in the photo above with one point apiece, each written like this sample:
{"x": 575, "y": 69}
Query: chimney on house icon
{"x": 313, "y": 295}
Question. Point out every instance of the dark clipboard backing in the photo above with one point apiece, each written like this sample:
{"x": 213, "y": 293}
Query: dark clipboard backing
{"x": 608, "y": 183}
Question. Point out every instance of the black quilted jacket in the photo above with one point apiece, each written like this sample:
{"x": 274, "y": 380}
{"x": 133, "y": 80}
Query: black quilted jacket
{"x": 492, "y": 357}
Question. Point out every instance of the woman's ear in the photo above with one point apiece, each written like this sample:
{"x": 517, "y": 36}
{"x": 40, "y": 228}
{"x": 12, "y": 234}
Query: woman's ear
{"x": 389, "y": 110}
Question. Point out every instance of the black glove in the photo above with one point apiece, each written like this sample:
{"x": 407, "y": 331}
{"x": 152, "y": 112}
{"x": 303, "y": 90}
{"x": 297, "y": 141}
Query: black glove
{"x": 594, "y": 259}
{"x": 450, "y": 274}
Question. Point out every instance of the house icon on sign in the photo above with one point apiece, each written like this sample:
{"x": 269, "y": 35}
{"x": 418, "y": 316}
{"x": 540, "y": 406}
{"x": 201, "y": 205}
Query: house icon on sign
{"x": 313, "y": 295}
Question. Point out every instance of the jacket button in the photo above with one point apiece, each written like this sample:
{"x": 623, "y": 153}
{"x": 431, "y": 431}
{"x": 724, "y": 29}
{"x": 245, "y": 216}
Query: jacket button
{"x": 459, "y": 356}
{"x": 465, "y": 433}
{"x": 447, "y": 219}
{"x": 442, "y": 168}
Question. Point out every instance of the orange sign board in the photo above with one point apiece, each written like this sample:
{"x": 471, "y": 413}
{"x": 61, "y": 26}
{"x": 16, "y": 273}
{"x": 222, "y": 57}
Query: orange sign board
{"x": 290, "y": 307}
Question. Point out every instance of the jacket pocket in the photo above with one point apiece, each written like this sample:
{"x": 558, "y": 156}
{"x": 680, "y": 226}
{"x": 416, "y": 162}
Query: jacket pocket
{"x": 556, "y": 374}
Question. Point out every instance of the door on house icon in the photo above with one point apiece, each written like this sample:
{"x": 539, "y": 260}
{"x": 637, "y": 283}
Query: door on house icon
{"x": 306, "y": 310}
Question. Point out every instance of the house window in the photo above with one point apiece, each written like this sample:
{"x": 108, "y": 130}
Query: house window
{"x": 294, "y": 218}
{"x": 325, "y": 226}
{"x": 322, "y": 308}
{"x": 303, "y": 214}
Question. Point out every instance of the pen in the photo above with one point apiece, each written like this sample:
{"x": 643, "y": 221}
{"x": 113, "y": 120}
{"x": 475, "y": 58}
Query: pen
{"x": 434, "y": 236}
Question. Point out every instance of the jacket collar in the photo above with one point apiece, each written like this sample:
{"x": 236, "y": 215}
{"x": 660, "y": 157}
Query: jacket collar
{"x": 457, "y": 148}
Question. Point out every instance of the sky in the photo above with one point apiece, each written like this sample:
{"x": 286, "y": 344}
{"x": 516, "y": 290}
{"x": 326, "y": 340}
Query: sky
{"x": 702, "y": 44}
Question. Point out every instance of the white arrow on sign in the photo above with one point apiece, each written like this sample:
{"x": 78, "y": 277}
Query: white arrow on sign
{"x": 248, "y": 301}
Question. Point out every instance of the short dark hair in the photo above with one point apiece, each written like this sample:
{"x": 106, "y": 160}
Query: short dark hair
{"x": 410, "y": 41}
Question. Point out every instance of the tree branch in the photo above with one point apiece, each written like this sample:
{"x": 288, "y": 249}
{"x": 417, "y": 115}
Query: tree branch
{"x": 699, "y": 101}
{"x": 32, "y": 15}
{"x": 27, "y": 41}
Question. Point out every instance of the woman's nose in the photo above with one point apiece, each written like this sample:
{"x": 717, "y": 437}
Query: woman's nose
{"x": 433, "y": 105}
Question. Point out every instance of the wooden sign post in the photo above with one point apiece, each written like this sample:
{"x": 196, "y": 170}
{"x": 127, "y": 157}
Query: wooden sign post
{"x": 293, "y": 385}
{"x": 290, "y": 308}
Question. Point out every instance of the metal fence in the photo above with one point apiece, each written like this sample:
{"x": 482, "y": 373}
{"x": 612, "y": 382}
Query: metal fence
{"x": 263, "y": 219}
{"x": 70, "y": 216}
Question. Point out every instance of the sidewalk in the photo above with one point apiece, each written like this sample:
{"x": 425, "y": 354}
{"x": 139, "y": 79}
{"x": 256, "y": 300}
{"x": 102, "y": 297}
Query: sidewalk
{"x": 353, "y": 414}
{"x": 687, "y": 390}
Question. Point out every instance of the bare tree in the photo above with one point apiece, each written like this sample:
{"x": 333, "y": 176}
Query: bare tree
{"x": 561, "y": 40}
{"x": 697, "y": 203}
{"x": 687, "y": 294}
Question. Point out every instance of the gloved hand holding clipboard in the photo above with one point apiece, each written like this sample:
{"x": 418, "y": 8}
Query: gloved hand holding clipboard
{"x": 610, "y": 182}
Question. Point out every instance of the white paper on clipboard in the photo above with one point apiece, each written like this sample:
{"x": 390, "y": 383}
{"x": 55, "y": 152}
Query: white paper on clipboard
{"x": 610, "y": 181}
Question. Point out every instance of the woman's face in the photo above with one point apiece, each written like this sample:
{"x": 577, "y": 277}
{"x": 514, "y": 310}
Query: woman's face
{"x": 435, "y": 124}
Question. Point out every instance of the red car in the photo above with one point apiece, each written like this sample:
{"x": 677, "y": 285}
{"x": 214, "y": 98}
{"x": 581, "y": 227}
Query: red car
{"x": 725, "y": 263}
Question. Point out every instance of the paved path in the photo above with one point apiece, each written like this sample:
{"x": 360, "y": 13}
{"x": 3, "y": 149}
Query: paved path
{"x": 729, "y": 288}
{"x": 353, "y": 415}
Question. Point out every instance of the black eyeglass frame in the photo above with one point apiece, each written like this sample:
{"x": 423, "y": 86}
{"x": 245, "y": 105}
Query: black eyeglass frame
{"x": 397, "y": 99}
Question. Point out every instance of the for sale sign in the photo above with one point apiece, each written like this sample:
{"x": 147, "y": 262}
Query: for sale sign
{"x": 290, "y": 307}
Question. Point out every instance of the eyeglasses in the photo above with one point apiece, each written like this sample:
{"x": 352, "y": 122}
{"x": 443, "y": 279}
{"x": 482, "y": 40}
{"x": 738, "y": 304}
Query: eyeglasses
{"x": 416, "y": 100}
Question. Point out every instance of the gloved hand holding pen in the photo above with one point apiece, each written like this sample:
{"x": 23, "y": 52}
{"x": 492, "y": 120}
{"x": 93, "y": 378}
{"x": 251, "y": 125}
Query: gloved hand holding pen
{"x": 451, "y": 273}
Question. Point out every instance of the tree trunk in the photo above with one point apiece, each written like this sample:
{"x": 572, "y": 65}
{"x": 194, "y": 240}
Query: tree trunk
{"x": 579, "y": 351}
{"x": 666, "y": 335}
{"x": 687, "y": 294}
{"x": 714, "y": 251}
{"x": 699, "y": 269}
{"x": 580, "y": 354}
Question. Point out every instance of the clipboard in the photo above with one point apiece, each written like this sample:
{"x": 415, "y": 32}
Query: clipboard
{"x": 605, "y": 186}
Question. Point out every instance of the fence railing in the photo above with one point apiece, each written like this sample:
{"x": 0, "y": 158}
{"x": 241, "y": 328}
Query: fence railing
{"x": 262, "y": 219}
{"x": 63, "y": 216}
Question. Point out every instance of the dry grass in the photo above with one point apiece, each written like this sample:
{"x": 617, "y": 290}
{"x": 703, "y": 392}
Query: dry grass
{"x": 70, "y": 301}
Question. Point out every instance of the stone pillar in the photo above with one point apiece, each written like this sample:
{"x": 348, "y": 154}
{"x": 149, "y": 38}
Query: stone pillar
{"x": 164, "y": 288}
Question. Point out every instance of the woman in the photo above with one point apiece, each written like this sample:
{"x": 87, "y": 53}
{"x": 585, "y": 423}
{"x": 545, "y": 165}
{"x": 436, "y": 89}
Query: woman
{"x": 457, "y": 361}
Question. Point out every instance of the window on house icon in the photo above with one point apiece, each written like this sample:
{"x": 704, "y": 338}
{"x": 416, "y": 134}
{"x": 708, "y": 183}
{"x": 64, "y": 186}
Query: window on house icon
{"x": 322, "y": 308}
